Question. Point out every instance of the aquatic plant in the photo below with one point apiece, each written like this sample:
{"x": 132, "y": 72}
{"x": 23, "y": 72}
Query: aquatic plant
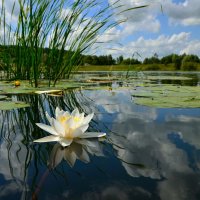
{"x": 67, "y": 127}
{"x": 45, "y": 39}
{"x": 168, "y": 96}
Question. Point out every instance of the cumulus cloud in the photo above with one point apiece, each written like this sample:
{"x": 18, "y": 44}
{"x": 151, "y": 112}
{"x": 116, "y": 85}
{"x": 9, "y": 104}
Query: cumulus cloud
{"x": 185, "y": 13}
{"x": 11, "y": 11}
{"x": 193, "y": 47}
{"x": 119, "y": 40}
{"x": 148, "y": 20}
{"x": 162, "y": 45}
{"x": 11, "y": 15}
{"x": 142, "y": 19}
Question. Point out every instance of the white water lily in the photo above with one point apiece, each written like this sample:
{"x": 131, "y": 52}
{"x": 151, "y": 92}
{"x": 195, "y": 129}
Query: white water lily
{"x": 66, "y": 127}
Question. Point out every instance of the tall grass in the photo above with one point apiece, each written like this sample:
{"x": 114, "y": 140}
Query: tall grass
{"x": 49, "y": 37}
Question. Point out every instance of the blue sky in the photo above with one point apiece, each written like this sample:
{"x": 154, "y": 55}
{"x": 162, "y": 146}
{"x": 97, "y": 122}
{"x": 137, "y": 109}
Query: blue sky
{"x": 173, "y": 29}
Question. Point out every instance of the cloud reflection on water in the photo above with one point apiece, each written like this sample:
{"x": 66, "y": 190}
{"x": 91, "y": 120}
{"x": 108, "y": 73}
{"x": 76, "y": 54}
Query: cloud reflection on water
{"x": 148, "y": 143}
{"x": 165, "y": 141}
{"x": 15, "y": 156}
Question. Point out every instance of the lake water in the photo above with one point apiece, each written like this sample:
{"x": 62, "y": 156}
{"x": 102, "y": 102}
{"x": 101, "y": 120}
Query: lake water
{"x": 148, "y": 153}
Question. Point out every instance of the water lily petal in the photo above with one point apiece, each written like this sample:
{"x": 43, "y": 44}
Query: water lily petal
{"x": 65, "y": 142}
{"x": 88, "y": 118}
{"x": 92, "y": 135}
{"x": 47, "y": 128}
{"x": 58, "y": 127}
{"x": 77, "y": 133}
{"x": 75, "y": 112}
{"x": 70, "y": 123}
{"x": 84, "y": 127}
{"x": 50, "y": 138}
{"x": 81, "y": 118}
{"x": 66, "y": 114}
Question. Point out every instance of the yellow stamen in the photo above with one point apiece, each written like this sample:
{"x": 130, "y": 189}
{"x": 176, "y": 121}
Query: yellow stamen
{"x": 77, "y": 119}
{"x": 69, "y": 135}
{"x": 63, "y": 119}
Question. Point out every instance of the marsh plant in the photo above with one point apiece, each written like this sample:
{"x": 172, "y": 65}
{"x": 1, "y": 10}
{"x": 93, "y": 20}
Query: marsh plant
{"x": 45, "y": 39}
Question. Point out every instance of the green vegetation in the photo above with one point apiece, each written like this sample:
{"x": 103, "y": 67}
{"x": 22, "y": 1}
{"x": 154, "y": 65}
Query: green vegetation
{"x": 144, "y": 86}
{"x": 9, "y": 105}
{"x": 139, "y": 67}
{"x": 168, "y": 96}
{"x": 50, "y": 37}
{"x": 171, "y": 62}
{"x": 7, "y": 88}
{"x": 25, "y": 88}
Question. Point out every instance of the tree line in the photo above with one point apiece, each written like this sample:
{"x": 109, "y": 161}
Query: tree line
{"x": 179, "y": 62}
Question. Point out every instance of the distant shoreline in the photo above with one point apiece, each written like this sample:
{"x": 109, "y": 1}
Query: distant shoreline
{"x": 136, "y": 67}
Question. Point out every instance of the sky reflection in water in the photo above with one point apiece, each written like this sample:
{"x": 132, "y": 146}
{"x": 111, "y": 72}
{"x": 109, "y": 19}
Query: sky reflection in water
{"x": 148, "y": 153}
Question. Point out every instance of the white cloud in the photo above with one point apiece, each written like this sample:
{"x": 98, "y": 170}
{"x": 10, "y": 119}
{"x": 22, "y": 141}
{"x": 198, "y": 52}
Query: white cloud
{"x": 142, "y": 19}
{"x": 11, "y": 11}
{"x": 162, "y": 45}
{"x": 146, "y": 19}
{"x": 193, "y": 47}
{"x": 117, "y": 40}
{"x": 185, "y": 13}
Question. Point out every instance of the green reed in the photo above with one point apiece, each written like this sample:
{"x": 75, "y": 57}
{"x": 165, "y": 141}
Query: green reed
{"x": 49, "y": 37}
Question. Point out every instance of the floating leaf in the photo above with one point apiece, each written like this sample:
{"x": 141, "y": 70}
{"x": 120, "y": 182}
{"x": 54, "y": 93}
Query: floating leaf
{"x": 169, "y": 96}
{"x": 17, "y": 90}
{"x": 168, "y": 78}
{"x": 3, "y": 97}
{"x": 25, "y": 87}
{"x": 9, "y": 105}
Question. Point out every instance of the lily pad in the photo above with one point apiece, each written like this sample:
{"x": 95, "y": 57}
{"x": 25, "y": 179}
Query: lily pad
{"x": 18, "y": 90}
{"x": 3, "y": 97}
{"x": 169, "y": 96}
{"x": 26, "y": 88}
{"x": 9, "y": 105}
{"x": 168, "y": 78}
